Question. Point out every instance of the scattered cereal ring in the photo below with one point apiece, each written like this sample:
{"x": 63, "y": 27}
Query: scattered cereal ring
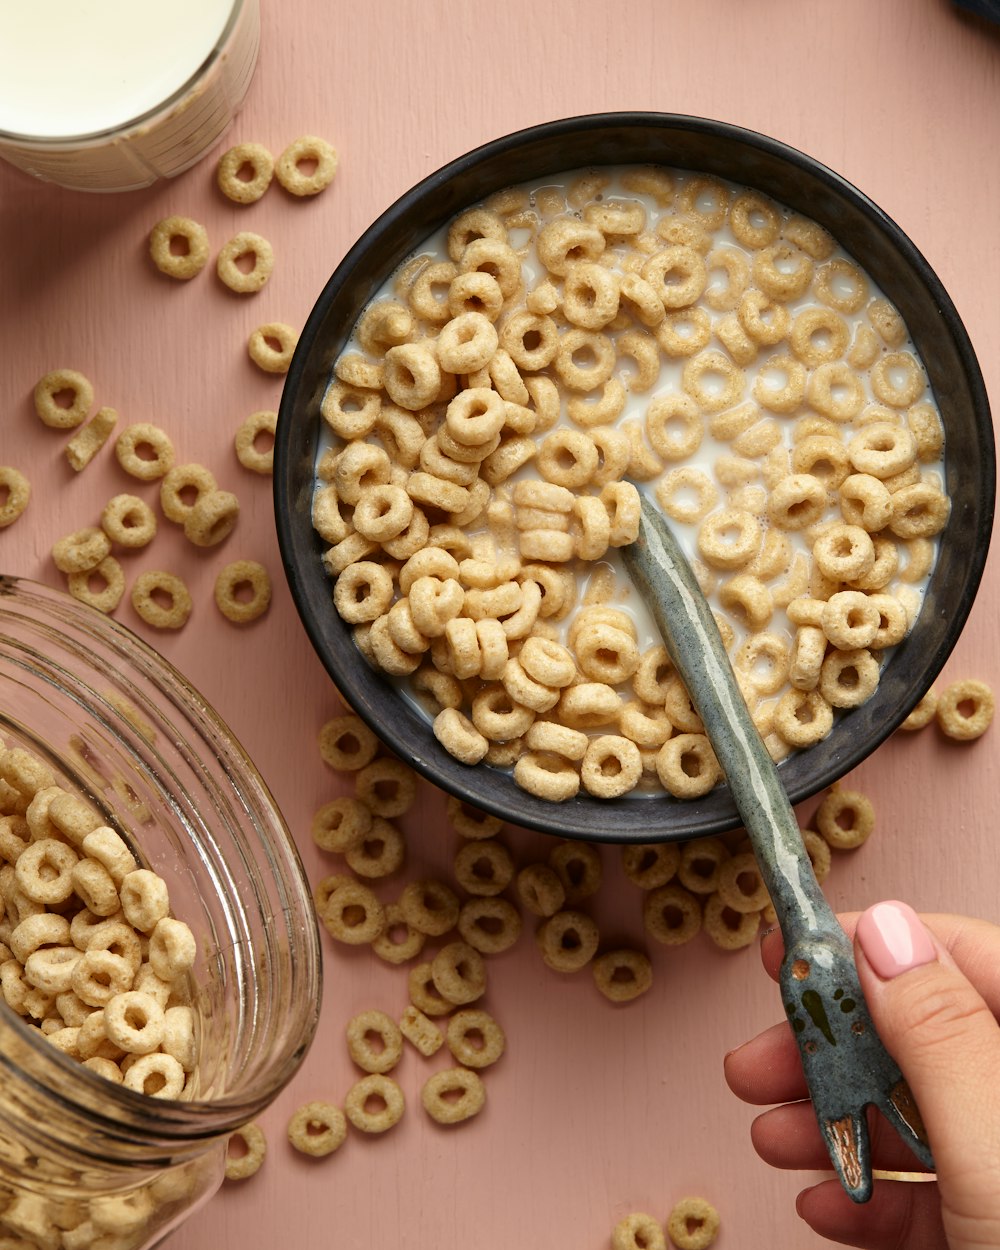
{"x": 693, "y": 1224}
{"x": 101, "y": 587}
{"x": 638, "y": 1231}
{"x": 306, "y": 150}
{"x": 439, "y": 1095}
{"x": 378, "y": 1089}
{"x": 241, "y": 1166}
{"x": 129, "y": 521}
{"x": 144, "y": 451}
{"x": 568, "y": 941}
{"x": 245, "y": 246}
{"x": 845, "y": 818}
{"x": 68, "y": 383}
{"x": 161, "y": 600}
{"x": 923, "y": 713}
{"x": 243, "y": 591}
{"x": 211, "y": 518}
{"x": 730, "y": 930}
{"x": 271, "y": 346}
{"x": 179, "y": 247}
{"x": 475, "y": 1038}
{"x": 374, "y": 1041}
{"x": 86, "y": 443}
{"x": 622, "y": 975}
{"x": 671, "y": 914}
{"x": 354, "y": 915}
{"x": 80, "y": 551}
{"x": 181, "y": 488}
{"x": 317, "y": 1129}
{"x": 965, "y": 709}
{"x": 256, "y": 160}
{"x": 255, "y": 442}
{"x": 15, "y": 491}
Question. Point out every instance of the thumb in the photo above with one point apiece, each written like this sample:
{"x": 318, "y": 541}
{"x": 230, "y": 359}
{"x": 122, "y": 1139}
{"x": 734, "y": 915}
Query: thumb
{"x": 946, "y": 1040}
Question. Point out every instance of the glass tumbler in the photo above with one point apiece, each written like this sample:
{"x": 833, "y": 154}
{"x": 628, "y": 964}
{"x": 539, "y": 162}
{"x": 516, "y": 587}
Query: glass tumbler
{"x": 85, "y": 1162}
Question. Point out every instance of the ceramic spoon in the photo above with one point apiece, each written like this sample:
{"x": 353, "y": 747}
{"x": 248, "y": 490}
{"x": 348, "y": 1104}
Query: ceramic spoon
{"x": 846, "y": 1066}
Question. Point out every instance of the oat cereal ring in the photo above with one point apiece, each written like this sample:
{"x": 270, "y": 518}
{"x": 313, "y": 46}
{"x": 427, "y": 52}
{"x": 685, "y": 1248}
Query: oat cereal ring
{"x": 63, "y": 384}
{"x": 797, "y": 501}
{"x": 547, "y": 776}
{"x": 919, "y": 511}
{"x": 161, "y": 599}
{"x": 845, "y": 818}
{"x": 354, "y": 915}
{"x": 762, "y": 663}
{"x": 134, "y": 1022}
{"x": 454, "y": 1095}
{"x": 243, "y": 591}
{"x": 306, "y": 150}
{"x": 841, "y": 285}
{"x": 101, "y": 587}
{"x": 474, "y": 1038}
{"x": 730, "y": 930}
{"x": 650, "y": 865}
{"x": 387, "y": 787}
{"x": 850, "y": 620}
{"x": 675, "y": 426}
{"x": 684, "y": 331}
{"x": 808, "y": 653}
{"x": 253, "y": 159}
{"x": 44, "y": 871}
{"x": 836, "y": 391}
{"x": 591, "y": 294}
{"x": 525, "y": 690}
{"x": 693, "y": 1224}
{"x": 729, "y": 539}
{"x": 819, "y": 336}
{"x": 819, "y": 854}
{"x": 701, "y": 862}
{"x": 178, "y": 247}
{"x": 157, "y": 1076}
{"x": 865, "y": 501}
{"x": 81, "y": 551}
{"x": 671, "y": 914}
{"x": 611, "y": 766}
{"x": 713, "y": 381}
{"x": 458, "y": 973}
{"x": 924, "y": 423}
{"x": 782, "y": 271}
{"x": 489, "y": 925}
{"x": 540, "y": 890}
{"x": 497, "y": 716}
{"x": 271, "y": 345}
{"x": 803, "y": 717}
{"x": 568, "y": 941}
{"x": 129, "y": 521}
{"x": 374, "y": 1041}
{"x": 144, "y": 451}
{"x": 497, "y": 259}
{"x": 245, "y": 247}
{"x": 317, "y": 1129}
{"x": 212, "y": 518}
{"x": 564, "y": 242}
{"x": 622, "y": 502}
{"x": 476, "y": 291}
{"x": 182, "y": 487}
{"x": 567, "y": 458}
{"x": 765, "y": 322}
{"x": 465, "y": 343}
{"x": 429, "y": 907}
{"x": 578, "y": 867}
{"x": 740, "y": 884}
{"x": 341, "y": 824}
{"x": 732, "y": 268}
{"x": 605, "y": 654}
{"x": 897, "y": 379}
{"x": 240, "y": 1166}
{"x": 677, "y": 274}
{"x": 15, "y": 491}
{"x": 622, "y": 975}
{"x": 346, "y": 743}
{"x": 687, "y": 494}
{"x": 922, "y": 714}
{"x": 965, "y": 709}
{"x": 638, "y": 1231}
{"x": 848, "y": 678}
{"x": 779, "y": 387}
{"x": 747, "y": 598}
{"x": 483, "y": 868}
{"x": 531, "y": 340}
{"x": 584, "y": 359}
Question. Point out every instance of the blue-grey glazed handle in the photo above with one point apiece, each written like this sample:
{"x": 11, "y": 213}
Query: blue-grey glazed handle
{"x": 845, "y": 1064}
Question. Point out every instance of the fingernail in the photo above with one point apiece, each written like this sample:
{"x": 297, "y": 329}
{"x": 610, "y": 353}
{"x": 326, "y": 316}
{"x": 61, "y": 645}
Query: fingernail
{"x": 894, "y": 940}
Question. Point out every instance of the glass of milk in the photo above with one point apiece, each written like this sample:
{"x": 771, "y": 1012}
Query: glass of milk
{"x": 110, "y": 95}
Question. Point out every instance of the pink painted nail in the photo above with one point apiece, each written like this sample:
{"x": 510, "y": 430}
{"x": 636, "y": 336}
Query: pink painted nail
{"x": 894, "y": 939}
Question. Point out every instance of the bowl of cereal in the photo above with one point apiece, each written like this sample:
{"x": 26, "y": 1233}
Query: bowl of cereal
{"x": 577, "y": 313}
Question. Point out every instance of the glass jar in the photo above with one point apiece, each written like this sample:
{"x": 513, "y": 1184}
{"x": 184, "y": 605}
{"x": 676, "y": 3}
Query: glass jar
{"x": 126, "y": 93}
{"x": 85, "y": 1162}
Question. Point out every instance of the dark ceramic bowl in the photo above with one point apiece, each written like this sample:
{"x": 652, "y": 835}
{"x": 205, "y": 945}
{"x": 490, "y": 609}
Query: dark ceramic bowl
{"x": 789, "y": 177}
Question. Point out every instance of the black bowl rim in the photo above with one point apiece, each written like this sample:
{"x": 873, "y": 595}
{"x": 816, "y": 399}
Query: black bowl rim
{"x": 461, "y": 781}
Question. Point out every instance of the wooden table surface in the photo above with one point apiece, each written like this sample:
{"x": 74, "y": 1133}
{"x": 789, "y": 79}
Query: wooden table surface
{"x": 594, "y": 1111}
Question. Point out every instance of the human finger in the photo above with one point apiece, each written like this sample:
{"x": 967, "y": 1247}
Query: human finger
{"x": 788, "y": 1137}
{"x": 767, "y": 1069}
{"x": 899, "y": 1213}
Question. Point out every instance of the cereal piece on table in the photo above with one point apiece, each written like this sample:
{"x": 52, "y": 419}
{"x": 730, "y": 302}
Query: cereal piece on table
{"x": 346, "y": 743}
{"x": 399, "y": 941}
{"x": 341, "y": 824}
{"x": 384, "y": 1093}
{"x": 475, "y": 1038}
{"x": 483, "y": 868}
{"x": 88, "y": 441}
{"x": 15, "y": 491}
{"x": 845, "y": 818}
{"x": 258, "y": 163}
{"x": 622, "y": 975}
{"x": 651, "y": 865}
{"x": 693, "y": 1224}
{"x": 424, "y": 994}
{"x": 454, "y": 1095}
{"x": 256, "y": 430}
{"x": 469, "y": 822}
{"x": 458, "y": 973}
{"x": 308, "y": 149}
{"x": 387, "y": 786}
{"x": 243, "y": 591}
{"x": 161, "y": 599}
{"x": 271, "y": 346}
{"x": 568, "y": 941}
{"x": 178, "y": 247}
{"x": 326, "y": 888}
{"x": 354, "y": 915}
{"x": 638, "y": 1231}
{"x": 380, "y": 853}
{"x": 63, "y": 382}
{"x": 212, "y": 518}
{"x": 101, "y": 587}
{"x": 730, "y": 930}
{"x": 144, "y": 451}
{"x": 965, "y": 709}
{"x": 421, "y": 1031}
{"x": 244, "y": 1164}
{"x": 578, "y": 866}
{"x": 182, "y": 487}
{"x": 80, "y": 551}
{"x": 317, "y": 1129}
{"x": 430, "y": 906}
{"x": 129, "y": 521}
{"x": 489, "y": 925}
{"x": 374, "y": 1041}
{"x": 245, "y": 246}
{"x": 540, "y": 890}
{"x": 671, "y": 914}
{"x": 740, "y": 884}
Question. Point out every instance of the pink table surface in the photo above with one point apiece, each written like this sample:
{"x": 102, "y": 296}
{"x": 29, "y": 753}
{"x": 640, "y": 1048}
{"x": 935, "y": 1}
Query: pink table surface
{"x": 594, "y": 1111}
